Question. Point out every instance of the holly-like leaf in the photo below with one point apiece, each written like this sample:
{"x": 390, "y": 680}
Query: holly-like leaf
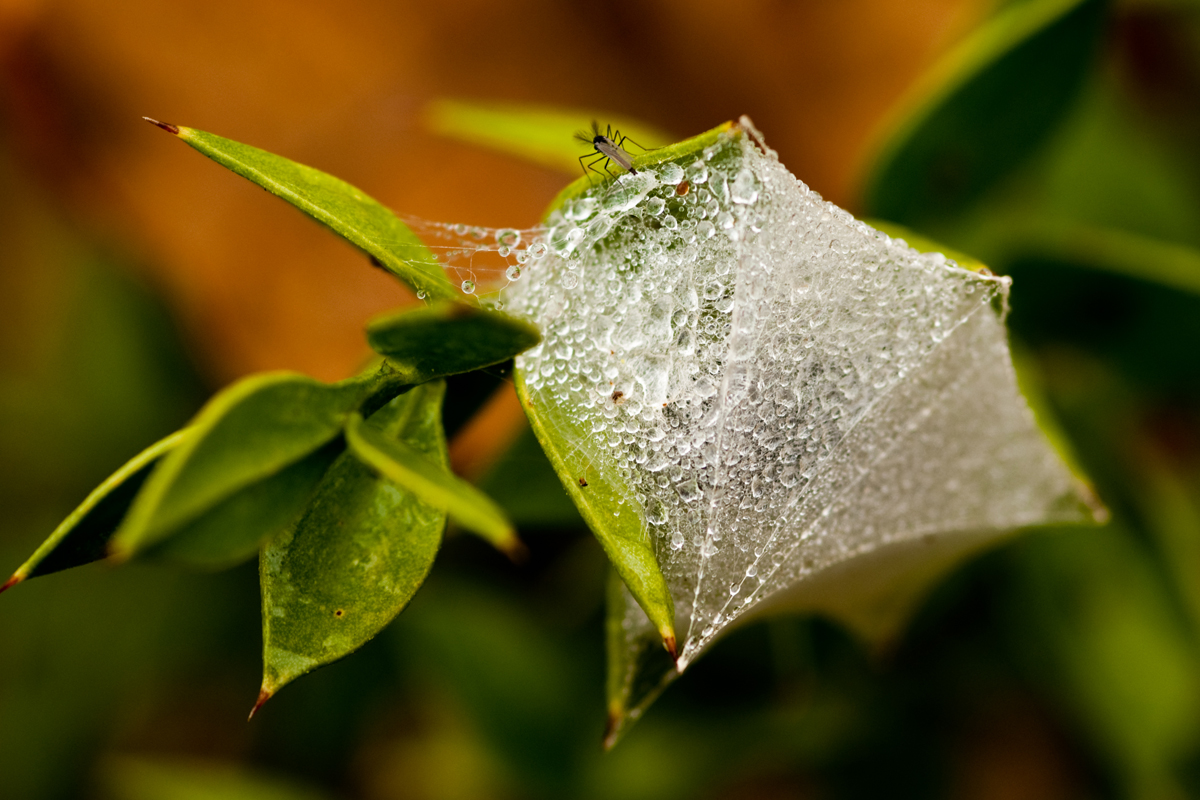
{"x": 251, "y": 431}
{"x": 984, "y": 108}
{"x": 448, "y": 338}
{"x": 432, "y": 483}
{"x": 83, "y": 537}
{"x": 346, "y": 210}
{"x": 355, "y": 558}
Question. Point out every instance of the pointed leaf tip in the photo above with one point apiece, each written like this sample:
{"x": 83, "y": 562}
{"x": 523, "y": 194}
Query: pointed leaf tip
{"x": 669, "y": 644}
{"x": 263, "y": 696}
{"x": 515, "y": 549}
{"x": 11, "y": 582}
{"x": 166, "y": 126}
{"x": 612, "y": 727}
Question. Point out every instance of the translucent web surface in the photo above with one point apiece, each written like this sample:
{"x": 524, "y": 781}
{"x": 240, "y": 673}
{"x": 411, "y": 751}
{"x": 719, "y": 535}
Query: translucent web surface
{"x": 781, "y": 386}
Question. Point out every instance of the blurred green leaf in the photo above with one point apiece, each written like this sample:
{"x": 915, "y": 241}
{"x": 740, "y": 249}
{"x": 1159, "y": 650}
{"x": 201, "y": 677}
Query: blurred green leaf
{"x": 924, "y": 244}
{"x": 249, "y": 432}
{"x": 447, "y": 339}
{"x": 634, "y": 676}
{"x": 517, "y": 680}
{"x": 1174, "y": 521}
{"x": 1018, "y": 235}
{"x": 359, "y": 553}
{"x": 346, "y": 210}
{"x": 541, "y": 134}
{"x": 527, "y": 488}
{"x": 131, "y": 778}
{"x": 432, "y": 483}
{"x": 1091, "y": 604}
{"x": 84, "y": 535}
{"x": 984, "y": 108}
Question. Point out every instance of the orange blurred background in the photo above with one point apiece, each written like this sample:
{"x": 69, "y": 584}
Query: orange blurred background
{"x": 341, "y": 87}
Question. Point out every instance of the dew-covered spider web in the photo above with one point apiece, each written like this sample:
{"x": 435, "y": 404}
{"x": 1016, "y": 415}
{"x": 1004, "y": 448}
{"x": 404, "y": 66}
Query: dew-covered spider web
{"x": 782, "y": 387}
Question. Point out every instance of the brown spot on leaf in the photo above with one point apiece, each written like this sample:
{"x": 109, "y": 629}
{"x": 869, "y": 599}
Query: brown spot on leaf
{"x": 339, "y": 613}
{"x": 618, "y": 397}
{"x": 683, "y": 188}
{"x": 583, "y": 482}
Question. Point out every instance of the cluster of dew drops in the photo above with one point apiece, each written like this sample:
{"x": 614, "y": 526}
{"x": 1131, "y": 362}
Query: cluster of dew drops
{"x": 634, "y": 296}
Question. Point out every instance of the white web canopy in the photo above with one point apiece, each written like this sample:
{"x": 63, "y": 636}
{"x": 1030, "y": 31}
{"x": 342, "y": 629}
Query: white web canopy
{"x": 784, "y": 388}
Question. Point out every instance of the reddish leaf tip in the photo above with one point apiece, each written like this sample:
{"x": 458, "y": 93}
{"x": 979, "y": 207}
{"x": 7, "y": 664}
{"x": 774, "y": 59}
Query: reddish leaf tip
{"x": 13, "y": 581}
{"x": 669, "y": 643}
{"x": 612, "y": 727}
{"x": 166, "y": 126}
{"x": 263, "y": 697}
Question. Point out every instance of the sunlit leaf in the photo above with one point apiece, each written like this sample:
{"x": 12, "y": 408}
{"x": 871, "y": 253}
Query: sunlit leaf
{"x": 249, "y": 432}
{"x": 84, "y": 536}
{"x": 358, "y": 554}
{"x": 542, "y": 134}
{"x": 447, "y": 339}
{"x": 346, "y": 210}
{"x": 984, "y": 108}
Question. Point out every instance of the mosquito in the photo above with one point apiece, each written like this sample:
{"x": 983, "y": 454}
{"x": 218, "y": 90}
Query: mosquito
{"x": 608, "y": 146}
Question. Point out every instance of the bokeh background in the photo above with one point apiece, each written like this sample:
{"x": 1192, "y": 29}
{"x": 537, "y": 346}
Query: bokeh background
{"x": 136, "y": 278}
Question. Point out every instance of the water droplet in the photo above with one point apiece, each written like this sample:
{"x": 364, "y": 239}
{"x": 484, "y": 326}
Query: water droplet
{"x": 468, "y": 286}
{"x": 656, "y": 512}
{"x": 670, "y": 174}
{"x": 513, "y": 272}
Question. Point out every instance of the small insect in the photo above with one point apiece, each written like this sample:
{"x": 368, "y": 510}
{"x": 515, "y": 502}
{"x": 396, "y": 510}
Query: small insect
{"x": 682, "y": 188}
{"x": 618, "y": 397}
{"x": 583, "y": 482}
{"x": 608, "y": 147}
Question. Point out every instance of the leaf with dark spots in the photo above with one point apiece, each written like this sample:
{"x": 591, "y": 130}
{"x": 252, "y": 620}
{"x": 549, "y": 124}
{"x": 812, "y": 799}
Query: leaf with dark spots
{"x": 363, "y": 547}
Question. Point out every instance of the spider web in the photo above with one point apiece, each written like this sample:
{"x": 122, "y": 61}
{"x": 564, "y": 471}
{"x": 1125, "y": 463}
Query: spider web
{"x": 784, "y": 388}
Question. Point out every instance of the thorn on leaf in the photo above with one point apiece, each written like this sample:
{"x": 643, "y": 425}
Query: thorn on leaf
{"x": 166, "y": 126}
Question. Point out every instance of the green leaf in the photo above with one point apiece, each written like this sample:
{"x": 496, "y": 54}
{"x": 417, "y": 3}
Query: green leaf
{"x": 447, "y": 339}
{"x": 528, "y": 489}
{"x": 984, "y": 108}
{"x": 249, "y": 432}
{"x": 126, "y": 778}
{"x": 84, "y": 535}
{"x": 634, "y": 675}
{"x": 357, "y": 555}
{"x": 924, "y": 244}
{"x": 541, "y": 134}
{"x": 233, "y": 530}
{"x": 346, "y": 210}
{"x": 600, "y": 498}
{"x": 432, "y": 483}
